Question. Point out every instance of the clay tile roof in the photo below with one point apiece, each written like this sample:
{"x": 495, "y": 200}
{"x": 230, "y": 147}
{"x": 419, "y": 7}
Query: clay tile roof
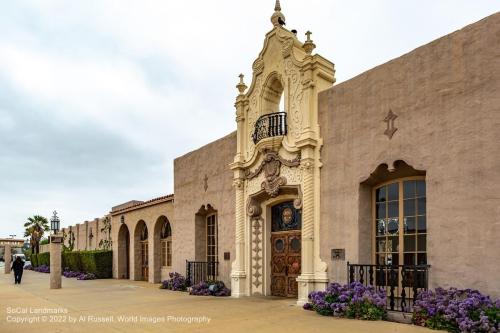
{"x": 142, "y": 204}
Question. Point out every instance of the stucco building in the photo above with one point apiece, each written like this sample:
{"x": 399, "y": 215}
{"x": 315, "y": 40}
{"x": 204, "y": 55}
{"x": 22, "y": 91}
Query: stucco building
{"x": 395, "y": 171}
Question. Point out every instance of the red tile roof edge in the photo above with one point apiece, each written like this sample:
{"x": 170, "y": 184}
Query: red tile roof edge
{"x": 145, "y": 203}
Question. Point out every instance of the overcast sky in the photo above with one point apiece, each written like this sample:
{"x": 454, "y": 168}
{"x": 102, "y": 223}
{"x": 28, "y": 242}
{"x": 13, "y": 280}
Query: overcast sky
{"x": 98, "y": 97}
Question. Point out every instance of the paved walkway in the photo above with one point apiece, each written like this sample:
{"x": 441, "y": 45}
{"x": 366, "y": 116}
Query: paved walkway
{"x": 130, "y": 306}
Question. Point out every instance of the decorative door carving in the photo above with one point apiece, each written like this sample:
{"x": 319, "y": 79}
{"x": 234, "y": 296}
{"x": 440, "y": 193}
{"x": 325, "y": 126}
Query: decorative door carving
{"x": 285, "y": 250}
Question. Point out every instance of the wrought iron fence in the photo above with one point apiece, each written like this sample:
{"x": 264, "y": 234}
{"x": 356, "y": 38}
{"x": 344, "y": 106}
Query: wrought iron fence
{"x": 401, "y": 282}
{"x": 198, "y": 271}
{"x": 269, "y": 125}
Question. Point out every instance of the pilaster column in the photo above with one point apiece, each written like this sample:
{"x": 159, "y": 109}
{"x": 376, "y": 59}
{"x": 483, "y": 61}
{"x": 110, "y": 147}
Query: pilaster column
{"x": 238, "y": 273}
{"x": 306, "y": 278}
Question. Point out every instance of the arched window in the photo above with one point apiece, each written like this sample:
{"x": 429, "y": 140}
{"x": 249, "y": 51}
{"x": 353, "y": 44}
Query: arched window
{"x": 399, "y": 221}
{"x": 166, "y": 244}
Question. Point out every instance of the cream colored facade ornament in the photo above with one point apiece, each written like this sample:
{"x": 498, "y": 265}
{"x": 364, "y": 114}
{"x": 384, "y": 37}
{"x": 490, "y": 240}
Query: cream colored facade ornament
{"x": 282, "y": 163}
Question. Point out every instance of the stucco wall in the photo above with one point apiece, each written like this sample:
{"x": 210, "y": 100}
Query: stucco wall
{"x": 213, "y": 161}
{"x": 148, "y": 212}
{"x": 82, "y": 232}
{"x": 446, "y": 95}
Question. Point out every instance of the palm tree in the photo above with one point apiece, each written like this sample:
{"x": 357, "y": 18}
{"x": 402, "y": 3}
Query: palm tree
{"x": 35, "y": 228}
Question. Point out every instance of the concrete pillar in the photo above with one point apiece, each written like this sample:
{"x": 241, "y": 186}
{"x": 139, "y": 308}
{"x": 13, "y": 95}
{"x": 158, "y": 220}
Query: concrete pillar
{"x": 8, "y": 258}
{"x": 55, "y": 263}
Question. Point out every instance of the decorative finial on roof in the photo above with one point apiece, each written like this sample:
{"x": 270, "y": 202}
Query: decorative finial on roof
{"x": 277, "y": 6}
{"x": 241, "y": 86}
{"x": 309, "y": 46}
{"x": 278, "y": 19}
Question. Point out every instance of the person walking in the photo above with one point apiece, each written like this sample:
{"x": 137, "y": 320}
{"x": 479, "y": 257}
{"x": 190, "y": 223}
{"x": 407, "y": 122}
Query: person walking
{"x": 17, "y": 267}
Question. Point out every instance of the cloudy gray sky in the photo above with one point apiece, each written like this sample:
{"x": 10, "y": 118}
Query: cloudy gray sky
{"x": 98, "y": 97}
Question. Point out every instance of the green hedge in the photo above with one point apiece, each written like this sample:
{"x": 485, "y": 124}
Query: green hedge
{"x": 43, "y": 258}
{"x": 98, "y": 262}
{"x": 34, "y": 260}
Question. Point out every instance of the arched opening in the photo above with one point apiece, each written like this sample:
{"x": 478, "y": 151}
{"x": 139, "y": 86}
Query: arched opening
{"x": 206, "y": 264}
{"x": 276, "y": 242}
{"x": 141, "y": 247}
{"x": 123, "y": 252}
{"x": 162, "y": 250}
{"x": 272, "y": 95}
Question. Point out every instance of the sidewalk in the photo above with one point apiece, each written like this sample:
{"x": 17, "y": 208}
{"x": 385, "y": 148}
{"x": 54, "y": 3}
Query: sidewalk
{"x": 133, "y": 306}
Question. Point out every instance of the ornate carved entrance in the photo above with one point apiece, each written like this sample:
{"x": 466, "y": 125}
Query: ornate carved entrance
{"x": 285, "y": 249}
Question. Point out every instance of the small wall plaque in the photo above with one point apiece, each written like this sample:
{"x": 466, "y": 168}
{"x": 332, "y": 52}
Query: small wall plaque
{"x": 227, "y": 255}
{"x": 56, "y": 239}
{"x": 338, "y": 254}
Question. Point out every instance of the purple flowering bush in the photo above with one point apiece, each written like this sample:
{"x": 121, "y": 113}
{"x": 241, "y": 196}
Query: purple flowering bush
{"x": 352, "y": 301}
{"x": 176, "y": 282}
{"x": 210, "y": 288}
{"x": 86, "y": 276}
{"x": 42, "y": 269}
{"x": 456, "y": 310}
{"x": 72, "y": 274}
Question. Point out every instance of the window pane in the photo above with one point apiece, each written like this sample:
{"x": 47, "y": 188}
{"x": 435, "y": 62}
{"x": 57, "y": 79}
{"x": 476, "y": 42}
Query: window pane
{"x": 381, "y": 259}
{"x": 395, "y": 259}
{"x": 381, "y": 211}
{"x": 393, "y": 191}
{"x": 422, "y": 224}
{"x": 393, "y": 226}
{"x": 421, "y": 243}
{"x": 409, "y": 207}
{"x": 421, "y": 188}
{"x": 381, "y": 194}
{"x": 392, "y": 244}
{"x": 380, "y": 244}
{"x": 381, "y": 227}
{"x": 393, "y": 209}
{"x": 390, "y": 258}
{"x": 421, "y": 259}
{"x": 409, "y": 259}
{"x": 410, "y": 243}
{"x": 409, "y": 225}
{"x": 409, "y": 189}
{"x": 421, "y": 206}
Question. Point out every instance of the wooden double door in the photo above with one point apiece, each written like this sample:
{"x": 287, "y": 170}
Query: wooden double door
{"x": 285, "y": 263}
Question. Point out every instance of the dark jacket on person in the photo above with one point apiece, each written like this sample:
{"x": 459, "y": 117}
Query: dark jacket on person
{"x": 18, "y": 265}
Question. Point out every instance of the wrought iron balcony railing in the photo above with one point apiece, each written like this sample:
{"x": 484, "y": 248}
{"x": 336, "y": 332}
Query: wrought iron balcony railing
{"x": 269, "y": 125}
{"x": 401, "y": 282}
{"x": 198, "y": 271}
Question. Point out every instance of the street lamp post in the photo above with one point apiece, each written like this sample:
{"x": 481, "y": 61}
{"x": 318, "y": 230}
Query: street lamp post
{"x": 55, "y": 252}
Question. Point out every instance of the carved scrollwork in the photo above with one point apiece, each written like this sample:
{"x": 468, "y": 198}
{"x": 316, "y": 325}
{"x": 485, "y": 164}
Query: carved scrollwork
{"x": 271, "y": 165}
{"x": 286, "y": 47}
{"x": 253, "y": 208}
{"x": 258, "y": 66}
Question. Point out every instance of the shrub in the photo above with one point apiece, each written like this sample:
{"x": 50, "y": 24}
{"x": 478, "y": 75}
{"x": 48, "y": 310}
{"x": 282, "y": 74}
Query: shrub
{"x": 71, "y": 260}
{"x": 43, "y": 258}
{"x": 34, "y": 260}
{"x": 97, "y": 262}
{"x": 210, "y": 288}
{"x": 71, "y": 274}
{"x": 456, "y": 310}
{"x": 176, "y": 282}
{"x": 86, "y": 276}
{"x": 351, "y": 301}
{"x": 43, "y": 269}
